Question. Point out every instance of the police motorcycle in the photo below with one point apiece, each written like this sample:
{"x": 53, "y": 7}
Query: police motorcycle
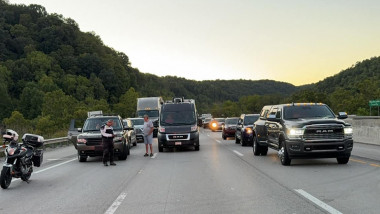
{"x": 20, "y": 157}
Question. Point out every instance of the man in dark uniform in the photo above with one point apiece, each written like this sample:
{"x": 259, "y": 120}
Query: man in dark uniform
{"x": 107, "y": 137}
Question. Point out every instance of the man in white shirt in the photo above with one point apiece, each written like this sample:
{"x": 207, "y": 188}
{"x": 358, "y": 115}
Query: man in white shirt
{"x": 148, "y": 135}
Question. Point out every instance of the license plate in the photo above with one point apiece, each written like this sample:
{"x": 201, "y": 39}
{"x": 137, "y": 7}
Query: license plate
{"x": 178, "y": 143}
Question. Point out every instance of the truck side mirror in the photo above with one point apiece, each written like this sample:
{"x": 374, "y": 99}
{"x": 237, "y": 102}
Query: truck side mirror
{"x": 342, "y": 115}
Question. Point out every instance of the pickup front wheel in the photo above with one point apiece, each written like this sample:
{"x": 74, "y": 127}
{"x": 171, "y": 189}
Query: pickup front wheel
{"x": 283, "y": 155}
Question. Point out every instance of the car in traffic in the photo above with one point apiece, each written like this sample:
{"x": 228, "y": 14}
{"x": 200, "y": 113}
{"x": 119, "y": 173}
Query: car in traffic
{"x": 260, "y": 132}
{"x": 129, "y": 132}
{"x": 306, "y": 130}
{"x": 138, "y": 125}
{"x": 89, "y": 140}
{"x": 216, "y": 124}
{"x": 229, "y": 127}
{"x": 243, "y": 134}
{"x": 206, "y": 122}
{"x": 178, "y": 125}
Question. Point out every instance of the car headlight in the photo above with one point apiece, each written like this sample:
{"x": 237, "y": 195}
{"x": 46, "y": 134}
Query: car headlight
{"x": 348, "y": 131}
{"x": 213, "y": 125}
{"x": 296, "y": 133}
{"x": 248, "y": 130}
{"x": 81, "y": 141}
{"x": 194, "y": 128}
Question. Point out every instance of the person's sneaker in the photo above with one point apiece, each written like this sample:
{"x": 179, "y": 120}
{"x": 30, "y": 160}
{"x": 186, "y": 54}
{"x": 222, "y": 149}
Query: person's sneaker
{"x": 151, "y": 154}
{"x": 146, "y": 155}
{"x": 113, "y": 164}
{"x": 105, "y": 164}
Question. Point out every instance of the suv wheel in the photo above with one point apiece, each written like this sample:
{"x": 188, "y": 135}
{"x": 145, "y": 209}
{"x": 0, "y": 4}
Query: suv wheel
{"x": 160, "y": 148}
{"x": 343, "y": 160}
{"x": 242, "y": 142}
{"x": 196, "y": 148}
{"x": 283, "y": 155}
{"x": 256, "y": 147}
{"x": 82, "y": 158}
{"x": 264, "y": 150}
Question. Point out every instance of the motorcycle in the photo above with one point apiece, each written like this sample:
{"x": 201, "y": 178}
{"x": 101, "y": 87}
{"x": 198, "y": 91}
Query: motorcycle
{"x": 20, "y": 157}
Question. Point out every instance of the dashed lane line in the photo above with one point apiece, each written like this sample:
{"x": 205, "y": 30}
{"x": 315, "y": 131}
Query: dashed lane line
{"x": 318, "y": 202}
{"x": 358, "y": 161}
{"x": 238, "y": 153}
{"x": 218, "y": 141}
{"x": 154, "y": 155}
{"x": 112, "y": 209}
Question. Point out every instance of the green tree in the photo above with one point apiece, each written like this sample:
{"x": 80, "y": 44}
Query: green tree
{"x": 18, "y": 123}
{"x": 31, "y": 100}
{"x": 127, "y": 103}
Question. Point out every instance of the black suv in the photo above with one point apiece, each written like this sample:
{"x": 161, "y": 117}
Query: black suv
{"x": 303, "y": 130}
{"x": 178, "y": 125}
{"x": 244, "y": 126}
{"x": 89, "y": 141}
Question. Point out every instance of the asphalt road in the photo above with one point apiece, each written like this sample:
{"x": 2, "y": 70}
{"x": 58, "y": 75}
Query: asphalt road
{"x": 223, "y": 177}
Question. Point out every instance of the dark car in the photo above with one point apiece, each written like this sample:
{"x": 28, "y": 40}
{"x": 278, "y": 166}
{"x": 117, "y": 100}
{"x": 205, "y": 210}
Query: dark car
{"x": 301, "y": 130}
{"x": 259, "y": 132}
{"x": 138, "y": 125}
{"x": 244, "y": 132}
{"x": 216, "y": 124}
{"x": 178, "y": 125}
{"x": 129, "y": 133}
{"x": 89, "y": 141}
{"x": 229, "y": 127}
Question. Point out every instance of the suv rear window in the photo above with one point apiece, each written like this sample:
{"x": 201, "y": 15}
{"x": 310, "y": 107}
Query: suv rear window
{"x": 310, "y": 111}
{"x": 94, "y": 124}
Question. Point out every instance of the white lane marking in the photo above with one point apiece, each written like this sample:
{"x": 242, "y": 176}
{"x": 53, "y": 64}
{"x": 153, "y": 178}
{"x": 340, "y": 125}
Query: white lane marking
{"x": 218, "y": 141}
{"x": 52, "y": 159}
{"x": 51, "y": 167}
{"x": 238, "y": 153}
{"x": 154, "y": 155}
{"x": 208, "y": 135}
{"x": 140, "y": 171}
{"x": 17, "y": 179}
{"x": 112, "y": 209}
{"x": 318, "y": 202}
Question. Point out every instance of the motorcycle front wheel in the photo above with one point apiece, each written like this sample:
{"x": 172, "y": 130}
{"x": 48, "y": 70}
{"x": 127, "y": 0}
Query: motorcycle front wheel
{"x": 5, "y": 178}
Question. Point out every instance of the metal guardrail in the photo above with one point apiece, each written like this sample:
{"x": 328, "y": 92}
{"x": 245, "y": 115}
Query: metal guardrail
{"x": 49, "y": 142}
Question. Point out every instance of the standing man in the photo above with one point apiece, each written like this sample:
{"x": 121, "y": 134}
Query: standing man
{"x": 148, "y": 135}
{"x": 107, "y": 137}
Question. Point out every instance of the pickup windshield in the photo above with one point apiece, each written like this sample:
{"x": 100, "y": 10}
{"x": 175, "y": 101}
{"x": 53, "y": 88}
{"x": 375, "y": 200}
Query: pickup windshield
{"x": 94, "y": 124}
{"x": 249, "y": 120}
{"x": 310, "y": 111}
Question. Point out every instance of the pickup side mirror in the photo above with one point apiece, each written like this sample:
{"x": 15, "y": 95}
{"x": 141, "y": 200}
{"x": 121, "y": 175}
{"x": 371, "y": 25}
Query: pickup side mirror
{"x": 79, "y": 129}
{"x": 342, "y": 115}
{"x": 273, "y": 118}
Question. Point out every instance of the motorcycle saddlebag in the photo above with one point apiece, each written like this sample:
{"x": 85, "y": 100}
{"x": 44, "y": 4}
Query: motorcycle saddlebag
{"x": 33, "y": 140}
{"x": 37, "y": 158}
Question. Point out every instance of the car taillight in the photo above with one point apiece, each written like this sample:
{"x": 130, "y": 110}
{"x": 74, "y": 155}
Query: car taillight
{"x": 81, "y": 141}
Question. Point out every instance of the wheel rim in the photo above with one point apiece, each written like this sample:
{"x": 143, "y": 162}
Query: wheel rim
{"x": 281, "y": 154}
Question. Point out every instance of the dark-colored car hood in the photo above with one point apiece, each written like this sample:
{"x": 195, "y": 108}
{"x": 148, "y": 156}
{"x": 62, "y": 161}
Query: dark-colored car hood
{"x": 299, "y": 123}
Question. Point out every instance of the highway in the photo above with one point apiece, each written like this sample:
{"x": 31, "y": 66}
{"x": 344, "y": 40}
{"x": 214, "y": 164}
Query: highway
{"x": 223, "y": 177}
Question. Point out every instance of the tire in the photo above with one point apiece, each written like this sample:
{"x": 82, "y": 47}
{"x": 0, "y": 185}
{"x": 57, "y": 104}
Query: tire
{"x": 82, "y": 158}
{"x": 124, "y": 154}
{"x": 242, "y": 142}
{"x": 5, "y": 178}
{"x": 196, "y": 148}
{"x": 135, "y": 144}
{"x": 160, "y": 149}
{"x": 224, "y": 137}
{"x": 283, "y": 155}
{"x": 264, "y": 150}
{"x": 343, "y": 160}
{"x": 237, "y": 141}
{"x": 256, "y": 147}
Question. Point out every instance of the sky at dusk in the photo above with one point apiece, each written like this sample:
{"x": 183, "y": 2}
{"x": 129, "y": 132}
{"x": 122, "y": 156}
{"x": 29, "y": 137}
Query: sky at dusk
{"x": 295, "y": 41}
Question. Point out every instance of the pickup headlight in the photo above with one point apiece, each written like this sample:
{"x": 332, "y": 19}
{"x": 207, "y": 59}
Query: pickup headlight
{"x": 348, "y": 131}
{"x": 161, "y": 130}
{"x": 81, "y": 141}
{"x": 295, "y": 133}
{"x": 248, "y": 130}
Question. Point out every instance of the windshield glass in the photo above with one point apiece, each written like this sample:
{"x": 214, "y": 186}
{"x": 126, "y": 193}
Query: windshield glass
{"x": 249, "y": 120}
{"x": 150, "y": 113}
{"x": 94, "y": 124}
{"x": 178, "y": 118}
{"x": 311, "y": 111}
{"x": 137, "y": 122}
{"x": 232, "y": 121}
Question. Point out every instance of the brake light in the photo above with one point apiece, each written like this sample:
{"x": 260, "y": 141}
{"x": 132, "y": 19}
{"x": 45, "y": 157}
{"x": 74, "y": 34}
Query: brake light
{"x": 81, "y": 141}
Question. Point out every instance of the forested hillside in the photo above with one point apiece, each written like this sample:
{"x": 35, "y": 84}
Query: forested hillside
{"x": 51, "y": 72}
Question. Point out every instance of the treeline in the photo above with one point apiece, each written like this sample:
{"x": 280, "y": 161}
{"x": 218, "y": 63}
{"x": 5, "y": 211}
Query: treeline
{"x": 51, "y": 72}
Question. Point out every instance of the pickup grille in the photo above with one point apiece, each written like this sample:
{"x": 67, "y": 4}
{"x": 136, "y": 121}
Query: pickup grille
{"x": 320, "y": 132}
{"x": 94, "y": 142}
